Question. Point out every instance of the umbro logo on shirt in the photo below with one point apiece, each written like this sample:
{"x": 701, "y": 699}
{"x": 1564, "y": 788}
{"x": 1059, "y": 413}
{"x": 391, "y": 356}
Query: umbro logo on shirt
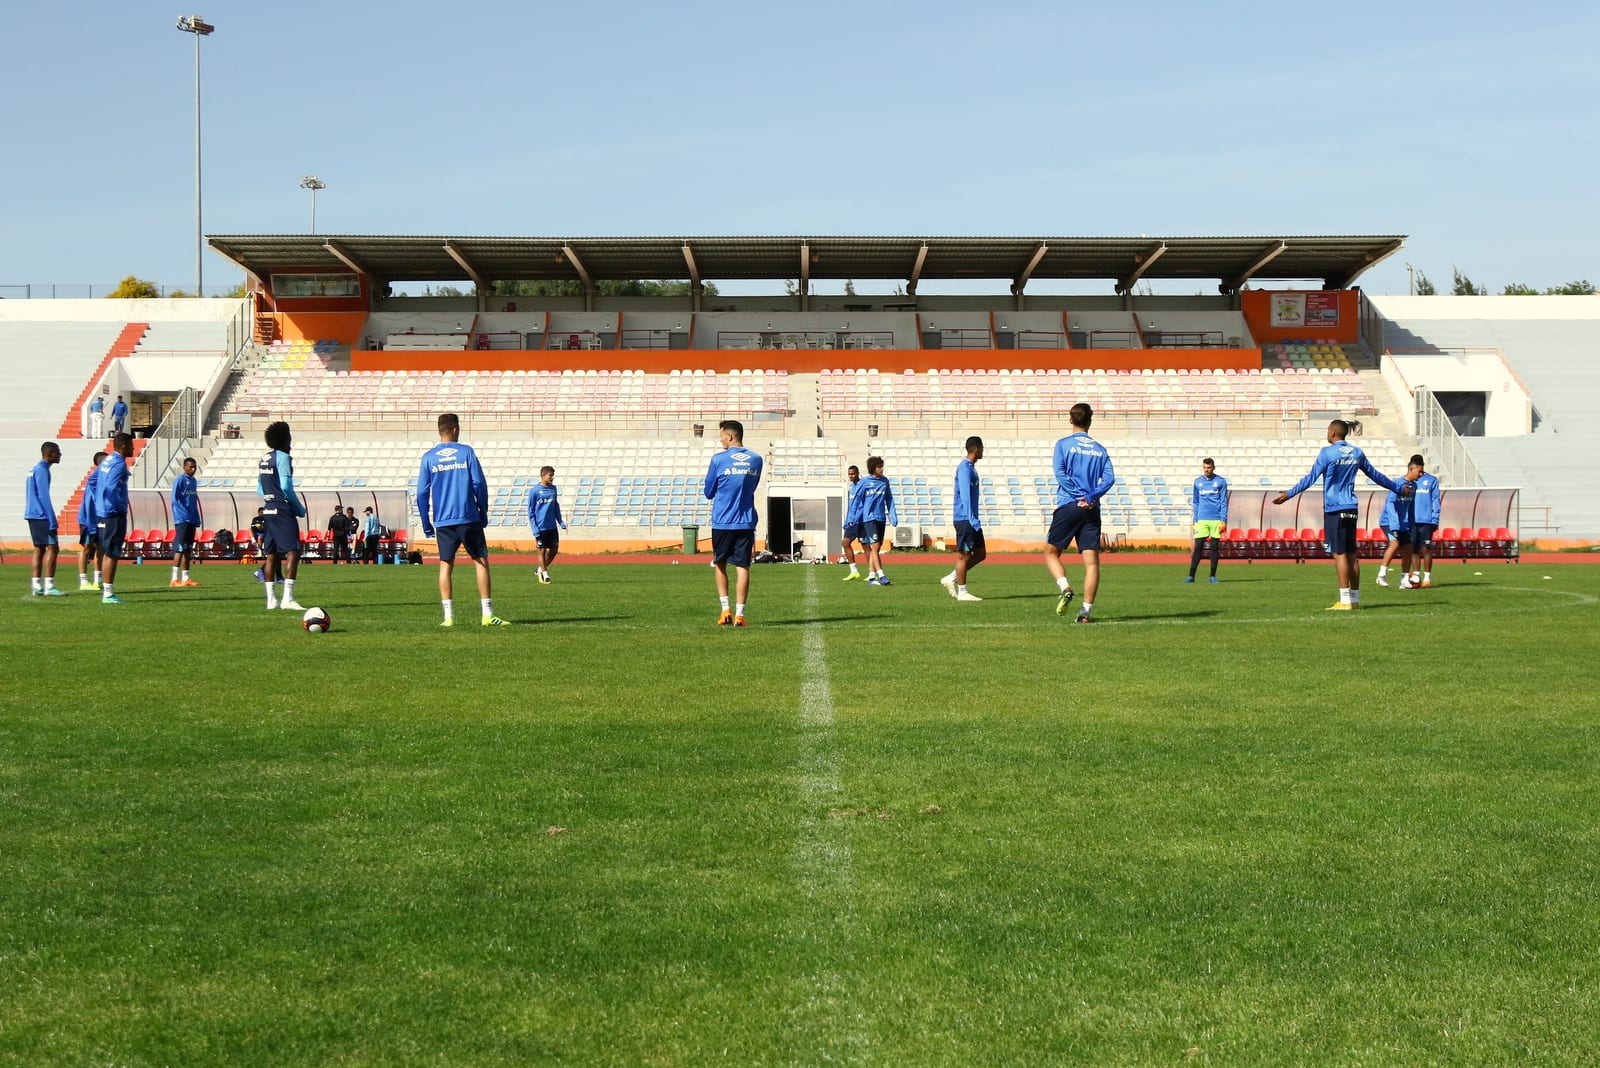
{"x": 447, "y": 454}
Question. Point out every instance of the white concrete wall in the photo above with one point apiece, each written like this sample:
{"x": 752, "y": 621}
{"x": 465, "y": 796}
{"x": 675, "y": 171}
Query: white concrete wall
{"x": 1540, "y": 307}
{"x": 104, "y": 310}
{"x": 1509, "y": 411}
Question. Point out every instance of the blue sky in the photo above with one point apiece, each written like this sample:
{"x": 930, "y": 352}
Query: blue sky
{"x": 1468, "y": 126}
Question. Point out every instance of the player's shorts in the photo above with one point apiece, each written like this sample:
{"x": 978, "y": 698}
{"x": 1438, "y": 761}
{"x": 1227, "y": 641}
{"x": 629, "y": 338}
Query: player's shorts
{"x": 1208, "y": 528}
{"x": 872, "y": 531}
{"x": 43, "y": 536}
{"x": 280, "y": 534}
{"x": 1399, "y": 535}
{"x": 468, "y": 536}
{"x": 113, "y": 529}
{"x": 734, "y": 547}
{"x": 1422, "y": 535}
{"x": 852, "y": 532}
{"x": 183, "y": 541}
{"x": 89, "y": 536}
{"x": 548, "y": 539}
{"x": 969, "y": 539}
{"x": 1340, "y": 528}
{"x": 1071, "y": 523}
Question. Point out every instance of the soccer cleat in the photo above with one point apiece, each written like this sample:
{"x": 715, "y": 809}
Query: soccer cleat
{"x": 1213, "y": 580}
{"x": 449, "y": 622}
{"x": 1188, "y": 580}
{"x": 291, "y": 605}
{"x": 495, "y": 621}
{"x": 1083, "y": 617}
{"x": 1407, "y": 584}
{"x": 738, "y": 621}
{"x": 176, "y": 582}
{"x": 725, "y": 619}
{"x": 949, "y": 584}
{"x": 188, "y": 582}
{"x": 1342, "y": 607}
{"x": 853, "y": 576}
{"x": 872, "y": 581}
{"x": 113, "y": 599}
{"x": 261, "y": 576}
{"x": 86, "y": 586}
{"x": 1383, "y": 581}
{"x": 55, "y": 591}
{"x": 544, "y": 579}
{"x": 963, "y": 595}
{"x": 1066, "y": 599}
{"x": 883, "y": 580}
{"x": 1427, "y": 584}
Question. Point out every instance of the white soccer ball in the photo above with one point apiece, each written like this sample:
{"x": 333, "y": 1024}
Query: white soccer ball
{"x": 316, "y": 621}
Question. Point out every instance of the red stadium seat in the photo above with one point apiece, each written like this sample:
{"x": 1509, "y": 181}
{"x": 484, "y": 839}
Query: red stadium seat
{"x": 135, "y": 540}
{"x": 1505, "y": 545}
{"x": 1273, "y": 544}
{"x": 1483, "y": 542}
{"x": 1253, "y": 545}
{"x": 1447, "y": 544}
{"x": 1310, "y": 544}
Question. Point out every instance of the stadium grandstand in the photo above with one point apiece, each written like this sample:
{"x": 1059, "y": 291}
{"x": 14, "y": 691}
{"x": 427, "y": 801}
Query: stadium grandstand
{"x": 622, "y": 395}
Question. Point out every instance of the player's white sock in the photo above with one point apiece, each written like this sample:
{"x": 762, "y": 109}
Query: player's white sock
{"x": 961, "y": 588}
{"x": 185, "y": 574}
{"x": 1355, "y": 596}
{"x": 951, "y": 578}
{"x": 106, "y": 592}
{"x": 1382, "y": 571}
{"x": 449, "y": 608}
{"x": 174, "y": 574}
{"x": 738, "y": 610}
{"x": 853, "y": 569}
{"x": 288, "y": 589}
{"x": 724, "y": 601}
{"x": 1062, "y": 584}
{"x": 488, "y": 606}
{"x": 1344, "y": 595}
{"x": 36, "y": 585}
{"x": 97, "y": 576}
{"x": 1088, "y": 606}
{"x": 1427, "y": 576}
{"x": 272, "y": 594}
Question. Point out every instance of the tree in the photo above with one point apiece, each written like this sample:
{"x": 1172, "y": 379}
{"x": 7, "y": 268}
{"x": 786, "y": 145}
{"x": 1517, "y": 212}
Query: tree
{"x": 606, "y": 287}
{"x": 849, "y": 287}
{"x": 1462, "y": 286}
{"x": 132, "y": 288}
{"x": 238, "y": 292}
{"x": 1425, "y": 286}
{"x": 1518, "y": 289}
{"x": 1581, "y": 288}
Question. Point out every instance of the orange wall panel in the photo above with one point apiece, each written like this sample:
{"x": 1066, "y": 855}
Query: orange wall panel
{"x": 343, "y": 327}
{"x": 1257, "y": 307}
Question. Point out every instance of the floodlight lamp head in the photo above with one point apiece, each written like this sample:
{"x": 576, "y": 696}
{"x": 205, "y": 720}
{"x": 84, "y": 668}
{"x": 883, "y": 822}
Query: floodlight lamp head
{"x": 195, "y": 24}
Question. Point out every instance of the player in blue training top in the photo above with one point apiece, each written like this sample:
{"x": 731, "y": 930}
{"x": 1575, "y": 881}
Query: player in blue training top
{"x": 186, "y": 523}
{"x": 1395, "y": 521}
{"x": 88, "y": 531}
{"x": 97, "y": 417}
{"x": 731, "y": 480}
{"x": 119, "y": 414}
{"x": 40, "y": 511}
{"x": 1425, "y": 511}
{"x": 283, "y": 509}
{"x": 852, "y": 523}
{"x": 1337, "y": 465}
{"x": 970, "y": 548}
{"x": 544, "y": 516}
{"x": 111, "y": 511}
{"x": 1083, "y": 475}
{"x": 453, "y": 501}
{"x": 875, "y": 512}
{"x": 1210, "y": 499}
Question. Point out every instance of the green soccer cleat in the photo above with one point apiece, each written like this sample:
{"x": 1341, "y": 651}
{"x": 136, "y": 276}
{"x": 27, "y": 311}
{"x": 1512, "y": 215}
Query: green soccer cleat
{"x": 1066, "y": 599}
{"x": 113, "y": 599}
{"x": 449, "y": 622}
{"x": 495, "y": 621}
{"x": 55, "y": 591}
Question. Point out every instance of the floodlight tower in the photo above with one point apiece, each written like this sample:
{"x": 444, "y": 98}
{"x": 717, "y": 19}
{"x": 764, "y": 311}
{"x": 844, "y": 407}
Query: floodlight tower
{"x": 313, "y": 183}
{"x": 199, "y": 27}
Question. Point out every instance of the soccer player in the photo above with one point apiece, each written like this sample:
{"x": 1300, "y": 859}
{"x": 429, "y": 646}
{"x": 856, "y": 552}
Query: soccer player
{"x": 970, "y": 548}
{"x": 97, "y": 417}
{"x": 1396, "y": 522}
{"x": 89, "y": 532}
{"x": 852, "y": 522}
{"x": 1210, "y": 498}
{"x": 111, "y": 511}
{"x": 544, "y": 516}
{"x": 282, "y": 510}
{"x": 453, "y": 500}
{"x": 731, "y": 480}
{"x": 1083, "y": 475}
{"x": 874, "y": 509}
{"x": 1424, "y": 521}
{"x": 119, "y": 414}
{"x": 1337, "y": 465}
{"x": 186, "y": 521}
{"x": 40, "y": 512}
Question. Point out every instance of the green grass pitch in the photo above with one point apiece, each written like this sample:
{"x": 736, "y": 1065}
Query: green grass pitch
{"x": 1220, "y": 826}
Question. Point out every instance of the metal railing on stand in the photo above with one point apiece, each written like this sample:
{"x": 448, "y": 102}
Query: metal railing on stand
{"x": 169, "y": 443}
{"x": 1447, "y": 455}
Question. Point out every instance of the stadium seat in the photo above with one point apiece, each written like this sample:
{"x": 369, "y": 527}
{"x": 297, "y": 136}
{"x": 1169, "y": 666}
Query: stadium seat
{"x": 1253, "y": 544}
{"x": 1273, "y": 544}
{"x": 1447, "y": 544}
{"x": 1505, "y": 545}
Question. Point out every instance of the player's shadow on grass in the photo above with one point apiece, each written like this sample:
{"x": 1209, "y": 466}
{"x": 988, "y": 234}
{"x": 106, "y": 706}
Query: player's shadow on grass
{"x": 822, "y": 619}
{"x": 1136, "y": 617}
{"x": 572, "y": 619}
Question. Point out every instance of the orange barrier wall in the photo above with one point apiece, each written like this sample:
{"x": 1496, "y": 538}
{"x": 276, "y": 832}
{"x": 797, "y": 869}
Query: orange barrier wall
{"x": 802, "y": 361}
{"x": 1257, "y": 306}
{"x": 343, "y": 327}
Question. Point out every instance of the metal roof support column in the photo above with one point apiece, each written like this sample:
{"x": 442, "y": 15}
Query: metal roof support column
{"x": 588, "y": 283}
{"x": 697, "y": 288}
{"x": 916, "y": 270}
{"x": 1021, "y": 281}
{"x": 479, "y": 283}
{"x": 805, "y": 274}
{"x": 1142, "y": 263}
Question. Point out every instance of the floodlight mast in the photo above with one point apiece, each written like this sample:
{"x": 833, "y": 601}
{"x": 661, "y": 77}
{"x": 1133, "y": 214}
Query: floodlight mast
{"x": 313, "y": 183}
{"x": 199, "y": 27}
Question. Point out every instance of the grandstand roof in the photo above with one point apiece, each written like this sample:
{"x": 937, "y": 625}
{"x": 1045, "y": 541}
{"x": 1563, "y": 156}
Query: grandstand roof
{"x": 1337, "y": 261}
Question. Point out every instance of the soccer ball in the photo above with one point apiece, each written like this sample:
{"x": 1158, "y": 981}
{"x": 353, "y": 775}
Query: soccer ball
{"x": 316, "y": 621}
